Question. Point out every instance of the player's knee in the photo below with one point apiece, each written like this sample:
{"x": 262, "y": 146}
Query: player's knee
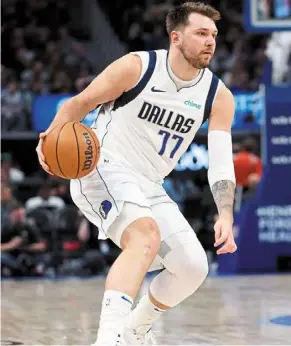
{"x": 188, "y": 263}
{"x": 144, "y": 236}
{"x": 195, "y": 267}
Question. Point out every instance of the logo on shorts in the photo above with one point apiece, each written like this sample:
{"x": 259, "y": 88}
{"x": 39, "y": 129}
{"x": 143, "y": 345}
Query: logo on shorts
{"x": 105, "y": 208}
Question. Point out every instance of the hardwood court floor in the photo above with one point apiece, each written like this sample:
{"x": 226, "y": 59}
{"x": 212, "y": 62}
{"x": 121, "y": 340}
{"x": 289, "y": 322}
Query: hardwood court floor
{"x": 225, "y": 311}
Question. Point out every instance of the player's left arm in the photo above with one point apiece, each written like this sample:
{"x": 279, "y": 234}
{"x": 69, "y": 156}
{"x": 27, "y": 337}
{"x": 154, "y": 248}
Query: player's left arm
{"x": 221, "y": 175}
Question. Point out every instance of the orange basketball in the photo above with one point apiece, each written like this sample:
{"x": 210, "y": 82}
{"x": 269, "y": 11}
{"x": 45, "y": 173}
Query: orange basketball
{"x": 71, "y": 150}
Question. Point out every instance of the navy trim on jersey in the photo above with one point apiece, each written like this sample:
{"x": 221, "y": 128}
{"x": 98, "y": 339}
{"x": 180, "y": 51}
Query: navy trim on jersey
{"x": 101, "y": 110}
{"x": 130, "y": 95}
{"x": 210, "y": 97}
{"x": 105, "y": 134}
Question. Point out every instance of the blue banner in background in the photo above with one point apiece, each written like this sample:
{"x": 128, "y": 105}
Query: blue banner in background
{"x": 46, "y": 107}
{"x": 249, "y": 111}
{"x": 277, "y": 132}
{"x": 264, "y": 222}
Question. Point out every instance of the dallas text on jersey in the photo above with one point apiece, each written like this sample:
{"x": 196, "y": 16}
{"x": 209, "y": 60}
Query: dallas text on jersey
{"x": 165, "y": 118}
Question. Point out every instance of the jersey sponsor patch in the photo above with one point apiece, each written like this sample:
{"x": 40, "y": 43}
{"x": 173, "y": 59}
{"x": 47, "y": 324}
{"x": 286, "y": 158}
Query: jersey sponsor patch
{"x": 192, "y": 104}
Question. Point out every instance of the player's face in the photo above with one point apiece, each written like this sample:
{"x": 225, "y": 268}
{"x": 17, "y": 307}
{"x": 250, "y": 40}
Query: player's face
{"x": 197, "y": 40}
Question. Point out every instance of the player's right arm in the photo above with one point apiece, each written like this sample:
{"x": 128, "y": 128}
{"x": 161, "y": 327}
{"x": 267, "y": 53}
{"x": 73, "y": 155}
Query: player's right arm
{"x": 119, "y": 77}
{"x": 221, "y": 174}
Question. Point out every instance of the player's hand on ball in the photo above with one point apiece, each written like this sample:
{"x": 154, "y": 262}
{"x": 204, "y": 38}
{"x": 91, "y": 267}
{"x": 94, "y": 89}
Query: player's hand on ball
{"x": 224, "y": 235}
{"x": 39, "y": 150}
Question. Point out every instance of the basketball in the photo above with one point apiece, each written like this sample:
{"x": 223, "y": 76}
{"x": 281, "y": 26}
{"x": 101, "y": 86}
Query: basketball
{"x": 71, "y": 150}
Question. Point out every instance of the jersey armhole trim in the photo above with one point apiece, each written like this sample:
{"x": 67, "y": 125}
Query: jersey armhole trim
{"x": 210, "y": 98}
{"x": 145, "y": 63}
{"x": 130, "y": 95}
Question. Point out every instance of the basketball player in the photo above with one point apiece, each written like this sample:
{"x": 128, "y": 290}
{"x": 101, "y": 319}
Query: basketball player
{"x": 153, "y": 104}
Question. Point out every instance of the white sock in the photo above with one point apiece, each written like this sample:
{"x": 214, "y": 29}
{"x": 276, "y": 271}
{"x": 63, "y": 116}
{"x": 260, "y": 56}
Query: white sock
{"x": 144, "y": 314}
{"x": 116, "y": 306}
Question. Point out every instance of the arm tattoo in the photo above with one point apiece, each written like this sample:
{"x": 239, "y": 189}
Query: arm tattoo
{"x": 223, "y": 194}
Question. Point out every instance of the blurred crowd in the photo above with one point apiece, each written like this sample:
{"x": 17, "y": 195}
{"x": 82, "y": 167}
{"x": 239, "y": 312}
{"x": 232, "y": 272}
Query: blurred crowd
{"x": 42, "y": 55}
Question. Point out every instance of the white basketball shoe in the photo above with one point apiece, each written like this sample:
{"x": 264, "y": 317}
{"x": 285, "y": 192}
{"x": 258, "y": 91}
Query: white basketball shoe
{"x": 110, "y": 339}
{"x": 143, "y": 335}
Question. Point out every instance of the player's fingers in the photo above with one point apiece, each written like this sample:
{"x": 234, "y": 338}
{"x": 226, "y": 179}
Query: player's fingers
{"x": 39, "y": 147}
{"x": 222, "y": 237}
{"x": 228, "y": 247}
{"x": 217, "y": 231}
{"x": 46, "y": 168}
{"x": 221, "y": 240}
{"x": 41, "y": 158}
{"x": 39, "y": 151}
{"x": 42, "y": 135}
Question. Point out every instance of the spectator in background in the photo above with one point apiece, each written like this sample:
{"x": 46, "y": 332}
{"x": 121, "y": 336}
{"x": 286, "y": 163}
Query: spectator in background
{"x": 279, "y": 52}
{"x": 36, "y": 72}
{"x": 93, "y": 259}
{"x": 13, "y": 115}
{"x": 236, "y": 148}
{"x": 10, "y": 173}
{"x": 19, "y": 238}
{"x": 6, "y": 200}
{"x": 74, "y": 51}
{"x": 247, "y": 164}
{"x": 180, "y": 190}
{"x": 253, "y": 182}
{"x": 5, "y": 77}
{"x": 84, "y": 78}
{"x": 45, "y": 199}
{"x": 61, "y": 188}
{"x": 11, "y": 242}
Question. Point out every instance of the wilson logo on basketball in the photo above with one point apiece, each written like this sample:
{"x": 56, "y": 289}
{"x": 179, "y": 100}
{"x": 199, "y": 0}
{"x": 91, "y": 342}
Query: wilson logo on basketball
{"x": 88, "y": 152}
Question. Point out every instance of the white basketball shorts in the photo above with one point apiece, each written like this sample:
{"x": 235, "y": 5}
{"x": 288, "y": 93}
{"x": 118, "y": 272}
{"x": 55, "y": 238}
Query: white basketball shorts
{"x": 113, "y": 196}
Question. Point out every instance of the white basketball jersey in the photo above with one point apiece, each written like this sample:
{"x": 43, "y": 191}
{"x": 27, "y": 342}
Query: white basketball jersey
{"x": 149, "y": 127}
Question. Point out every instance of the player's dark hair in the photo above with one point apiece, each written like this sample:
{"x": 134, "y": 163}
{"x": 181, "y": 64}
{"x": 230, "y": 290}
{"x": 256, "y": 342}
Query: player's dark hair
{"x": 179, "y": 15}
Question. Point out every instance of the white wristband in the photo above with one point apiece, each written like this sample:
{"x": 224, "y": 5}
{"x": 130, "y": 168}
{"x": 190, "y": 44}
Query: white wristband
{"x": 220, "y": 157}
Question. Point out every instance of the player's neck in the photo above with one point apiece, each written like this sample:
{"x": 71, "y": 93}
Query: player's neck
{"x": 180, "y": 67}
